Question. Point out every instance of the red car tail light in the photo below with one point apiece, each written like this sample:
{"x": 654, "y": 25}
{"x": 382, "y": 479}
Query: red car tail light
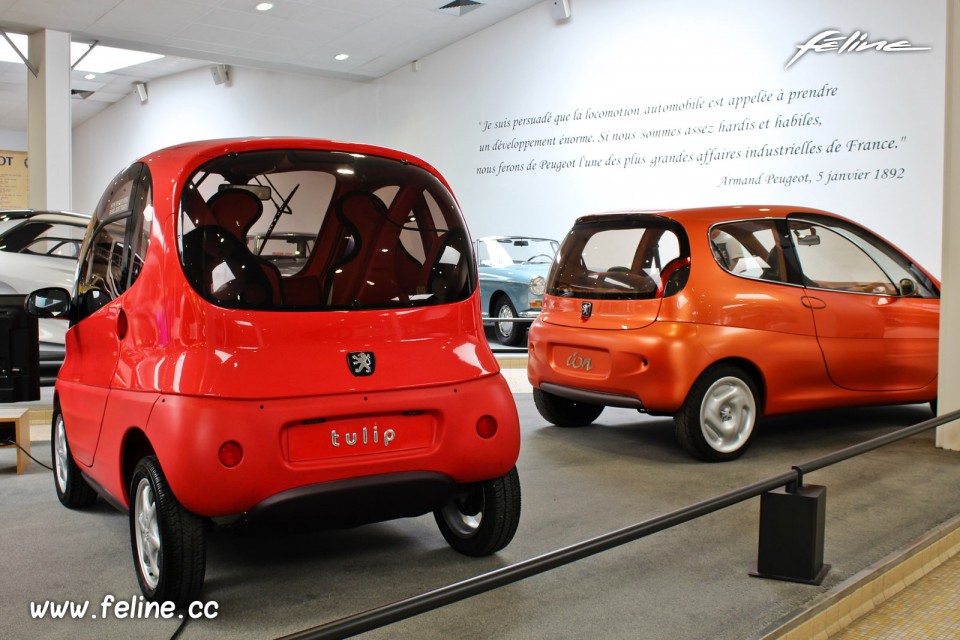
{"x": 487, "y": 427}
{"x": 230, "y": 454}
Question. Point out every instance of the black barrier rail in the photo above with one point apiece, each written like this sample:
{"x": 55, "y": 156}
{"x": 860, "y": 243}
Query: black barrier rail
{"x": 498, "y": 320}
{"x": 487, "y": 320}
{"x": 424, "y": 602}
{"x": 517, "y": 350}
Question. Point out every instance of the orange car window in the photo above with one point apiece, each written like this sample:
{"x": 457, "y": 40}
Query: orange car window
{"x": 831, "y": 261}
{"x": 897, "y": 267}
{"x": 614, "y": 260}
{"x": 750, "y": 249}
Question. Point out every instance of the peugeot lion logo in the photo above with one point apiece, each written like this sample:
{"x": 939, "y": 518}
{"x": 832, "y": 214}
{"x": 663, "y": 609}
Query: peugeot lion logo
{"x": 586, "y": 308}
{"x": 361, "y": 363}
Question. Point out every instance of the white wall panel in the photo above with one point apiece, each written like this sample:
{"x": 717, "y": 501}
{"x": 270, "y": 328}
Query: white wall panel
{"x": 623, "y": 59}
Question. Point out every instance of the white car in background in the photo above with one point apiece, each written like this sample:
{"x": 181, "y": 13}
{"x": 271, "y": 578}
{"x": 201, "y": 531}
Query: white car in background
{"x": 40, "y": 249}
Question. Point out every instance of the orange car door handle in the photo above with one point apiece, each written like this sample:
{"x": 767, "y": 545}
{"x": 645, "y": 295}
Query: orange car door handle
{"x": 813, "y": 303}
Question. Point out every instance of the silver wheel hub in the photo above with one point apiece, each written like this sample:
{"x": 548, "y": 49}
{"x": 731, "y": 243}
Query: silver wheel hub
{"x": 147, "y": 530}
{"x": 504, "y": 328}
{"x": 728, "y": 414}
{"x": 463, "y": 524}
{"x": 60, "y": 461}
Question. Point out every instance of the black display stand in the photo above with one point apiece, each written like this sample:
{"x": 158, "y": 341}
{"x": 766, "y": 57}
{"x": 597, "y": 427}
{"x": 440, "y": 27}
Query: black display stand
{"x": 19, "y": 352}
{"x": 791, "y": 535}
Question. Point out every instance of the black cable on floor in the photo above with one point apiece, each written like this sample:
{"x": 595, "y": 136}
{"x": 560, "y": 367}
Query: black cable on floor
{"x": 7, "y": 443}
{"x": 183, "y": 623}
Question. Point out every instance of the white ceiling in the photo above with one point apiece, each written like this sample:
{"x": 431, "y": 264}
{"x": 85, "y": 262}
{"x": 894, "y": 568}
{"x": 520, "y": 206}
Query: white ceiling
{"x": 296, "y": 35}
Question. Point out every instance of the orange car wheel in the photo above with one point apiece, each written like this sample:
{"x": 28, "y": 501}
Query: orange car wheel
{"x": 564, "y": 412}
{"x": 718, "y": 416}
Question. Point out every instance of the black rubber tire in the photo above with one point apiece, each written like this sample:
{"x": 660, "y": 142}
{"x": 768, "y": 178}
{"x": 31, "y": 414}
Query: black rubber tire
{"x": 510, "y": 334}
{"x": 743, "y": 406}
{"x": 180, "y": 561}
{"x": 496, "y": 502}
{"x": 72, "y": 489}
{"x": 564, "y": 412}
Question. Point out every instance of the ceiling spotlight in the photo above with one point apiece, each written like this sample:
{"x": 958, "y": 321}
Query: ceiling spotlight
{"x": 265, "y": 6}
{"x": 90, "y": 76}
{"x": 341, "y": 56}
{"x": 460, "y": 7}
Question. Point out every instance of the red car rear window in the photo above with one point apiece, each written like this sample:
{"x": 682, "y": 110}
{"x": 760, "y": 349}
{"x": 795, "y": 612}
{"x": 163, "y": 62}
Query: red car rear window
{"x": 308, "y": 230}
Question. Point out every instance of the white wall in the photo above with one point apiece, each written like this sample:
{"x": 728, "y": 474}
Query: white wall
{"x": 612, "y": 54}
{"x": 13, "y": 140}
{"x": 190, "y": 106}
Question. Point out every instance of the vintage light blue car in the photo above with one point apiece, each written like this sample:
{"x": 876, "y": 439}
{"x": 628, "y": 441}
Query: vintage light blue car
{"x": 513, "y": 271}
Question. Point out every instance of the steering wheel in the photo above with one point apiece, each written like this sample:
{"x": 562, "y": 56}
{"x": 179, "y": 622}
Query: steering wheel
{"x": 622, "y": 278}
{"x": 539, "y": 255}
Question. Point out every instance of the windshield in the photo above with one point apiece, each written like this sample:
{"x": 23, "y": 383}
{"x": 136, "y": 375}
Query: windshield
{"x": 43, "y": 234}
{"x": 621, "y": 258}
{"x": 314, "y": 230}
{"x": 507, "y": 252}
{"x": 289, "y": 251}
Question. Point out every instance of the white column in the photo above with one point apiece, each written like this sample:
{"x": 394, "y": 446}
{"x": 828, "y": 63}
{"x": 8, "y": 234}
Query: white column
{"x": 48, "y": 121}
{"x": 948, "y": 436}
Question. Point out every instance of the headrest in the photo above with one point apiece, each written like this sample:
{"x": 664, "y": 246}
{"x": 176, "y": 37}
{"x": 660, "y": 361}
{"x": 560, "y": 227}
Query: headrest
{"x": 235, "y": 210}
{"x": 197, "y": 210}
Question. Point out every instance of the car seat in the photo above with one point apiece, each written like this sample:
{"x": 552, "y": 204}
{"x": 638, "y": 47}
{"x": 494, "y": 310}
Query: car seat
{"x": 216, "y": 258}
{"x": 236, "y": 210}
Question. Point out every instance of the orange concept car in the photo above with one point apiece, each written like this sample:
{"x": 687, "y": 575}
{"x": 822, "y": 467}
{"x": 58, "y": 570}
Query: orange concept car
{"x": 717, "y": 316}
{"x": 279, "y": 331}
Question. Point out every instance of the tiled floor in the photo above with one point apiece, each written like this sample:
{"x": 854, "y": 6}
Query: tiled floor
{"x": 926, "y": 610}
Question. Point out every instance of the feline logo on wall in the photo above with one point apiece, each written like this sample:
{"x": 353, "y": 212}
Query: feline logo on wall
{"x": 835, "y": 41}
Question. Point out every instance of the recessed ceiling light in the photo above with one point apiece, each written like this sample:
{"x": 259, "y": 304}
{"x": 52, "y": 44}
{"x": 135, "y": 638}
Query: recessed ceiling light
{"x": 90, "y": 76}
{"x": 265, "y": 6}
{"x": 341, "y": 56}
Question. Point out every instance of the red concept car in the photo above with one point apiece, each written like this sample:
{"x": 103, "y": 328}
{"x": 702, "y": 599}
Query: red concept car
{"x": 202, "y": 383}
{"x": 717, "y": 316}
